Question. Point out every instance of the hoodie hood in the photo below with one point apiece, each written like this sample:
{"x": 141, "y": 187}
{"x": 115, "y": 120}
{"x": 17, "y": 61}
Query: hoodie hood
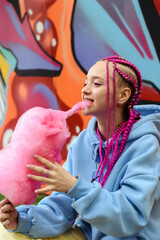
{"x": 148, "y": 124}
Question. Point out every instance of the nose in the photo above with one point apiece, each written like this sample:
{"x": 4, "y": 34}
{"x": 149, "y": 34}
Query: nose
{"x": 86, "y": 90}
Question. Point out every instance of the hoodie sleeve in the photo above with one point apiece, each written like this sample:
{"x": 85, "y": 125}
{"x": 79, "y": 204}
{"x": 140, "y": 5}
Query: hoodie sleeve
{"x": 51, "y": 217}
{"x": 123, "y": 212}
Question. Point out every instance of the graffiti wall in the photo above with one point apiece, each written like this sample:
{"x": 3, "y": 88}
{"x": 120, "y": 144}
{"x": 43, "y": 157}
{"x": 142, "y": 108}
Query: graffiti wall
{"x": 47, "y": 47}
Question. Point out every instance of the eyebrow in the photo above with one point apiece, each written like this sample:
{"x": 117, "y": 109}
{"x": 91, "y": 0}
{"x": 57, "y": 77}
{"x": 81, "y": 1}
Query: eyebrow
{"x": 96, "y": 77}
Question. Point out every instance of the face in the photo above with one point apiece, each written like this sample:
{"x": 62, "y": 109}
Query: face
{"x": 95, "y": 90}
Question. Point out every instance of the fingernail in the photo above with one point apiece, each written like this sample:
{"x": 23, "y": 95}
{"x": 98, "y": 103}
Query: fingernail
{"x": 34, "y": 155}
{"x": 28, "y": 175}
{"x": 27, "y": 165}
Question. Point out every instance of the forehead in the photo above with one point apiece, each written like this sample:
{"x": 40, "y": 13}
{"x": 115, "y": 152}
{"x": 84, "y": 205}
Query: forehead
{"x": 99, "y": 70}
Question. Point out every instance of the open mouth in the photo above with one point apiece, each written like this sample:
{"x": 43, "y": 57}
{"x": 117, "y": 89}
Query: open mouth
{"x": 88, "y": 99}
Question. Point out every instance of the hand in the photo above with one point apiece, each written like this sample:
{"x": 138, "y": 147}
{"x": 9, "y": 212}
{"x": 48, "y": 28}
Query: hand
{"x": 8, "y": 215}
{"x": 56, "y": 177}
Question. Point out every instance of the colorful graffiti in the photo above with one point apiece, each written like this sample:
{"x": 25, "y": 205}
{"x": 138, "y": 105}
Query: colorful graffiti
{"x": 47, "y": 46}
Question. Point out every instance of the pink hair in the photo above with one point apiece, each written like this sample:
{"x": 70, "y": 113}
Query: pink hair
{"x": 115, "y": 145}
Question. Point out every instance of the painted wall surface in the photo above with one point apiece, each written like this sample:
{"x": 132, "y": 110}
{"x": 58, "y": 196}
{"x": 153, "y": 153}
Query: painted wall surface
{"x": 47, "y": 46}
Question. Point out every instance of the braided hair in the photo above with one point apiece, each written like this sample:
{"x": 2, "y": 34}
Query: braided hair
{"x": 128, "y": 73}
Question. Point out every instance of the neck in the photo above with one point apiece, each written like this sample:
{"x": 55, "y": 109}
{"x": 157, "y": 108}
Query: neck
{"x": 103, "y": 126}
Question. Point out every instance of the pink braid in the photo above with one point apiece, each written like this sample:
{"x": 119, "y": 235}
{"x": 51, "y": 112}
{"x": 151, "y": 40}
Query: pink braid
{"x": 114, "y": 104}
{"x": 108, "y": 103}
{"x": 108, "y": 127}
{"x": 115, "y": 156}
{"x": 115, "y": 145}
{"x": 106, "y": 158}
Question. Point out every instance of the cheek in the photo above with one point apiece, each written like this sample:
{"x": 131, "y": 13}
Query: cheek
{"x": 100, "y": 91}
{"x": 102, "y": 97}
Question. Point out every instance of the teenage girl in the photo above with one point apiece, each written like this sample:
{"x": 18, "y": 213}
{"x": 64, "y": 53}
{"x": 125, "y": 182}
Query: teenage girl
{"x": 109, "y": 186}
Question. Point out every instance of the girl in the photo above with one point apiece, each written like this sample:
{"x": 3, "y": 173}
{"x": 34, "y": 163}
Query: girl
{"x": 109, "y": 186}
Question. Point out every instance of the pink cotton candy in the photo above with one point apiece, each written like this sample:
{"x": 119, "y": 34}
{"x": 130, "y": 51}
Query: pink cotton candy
{"x": 38, "y": 131}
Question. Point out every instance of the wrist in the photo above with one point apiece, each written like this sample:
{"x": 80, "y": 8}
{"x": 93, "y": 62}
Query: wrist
{"x": 72, "y": 183}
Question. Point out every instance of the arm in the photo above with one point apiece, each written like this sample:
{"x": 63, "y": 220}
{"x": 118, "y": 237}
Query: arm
{"x": 127, "y": 210}
{"x": 53, "y": 215}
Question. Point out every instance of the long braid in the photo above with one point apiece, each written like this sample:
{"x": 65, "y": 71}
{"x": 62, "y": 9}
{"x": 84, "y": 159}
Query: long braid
{"x": 109, "y": 146}
{"x": 101, "y": 166}
{"x": 114, "y": 105}
{"x": 123, "y": 131}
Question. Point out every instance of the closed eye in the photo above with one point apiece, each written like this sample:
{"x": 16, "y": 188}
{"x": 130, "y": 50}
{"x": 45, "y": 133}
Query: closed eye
{"x": 97, "y": 84}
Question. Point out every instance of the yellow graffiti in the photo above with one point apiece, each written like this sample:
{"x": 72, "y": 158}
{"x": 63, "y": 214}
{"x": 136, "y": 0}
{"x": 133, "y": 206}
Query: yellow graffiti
{"x": 4, "y": 67}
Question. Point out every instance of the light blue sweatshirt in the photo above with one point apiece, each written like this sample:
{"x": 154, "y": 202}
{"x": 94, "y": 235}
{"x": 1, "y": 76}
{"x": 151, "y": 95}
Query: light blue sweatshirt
{"x": 128, "y": 207}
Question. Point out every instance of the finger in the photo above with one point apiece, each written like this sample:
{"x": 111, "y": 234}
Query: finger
{"x": 39, "y": 178}
{"x": 44, "y": 161}
{"x": 4, "y": 216}
{"x": 57, "y": 164}
{"x": 37, "y": 169}
{"x": 3, "y": 202}
{"x": 7, "y": 207}
{"x": 6, "y": 223}
{"x": 44, "y": 190}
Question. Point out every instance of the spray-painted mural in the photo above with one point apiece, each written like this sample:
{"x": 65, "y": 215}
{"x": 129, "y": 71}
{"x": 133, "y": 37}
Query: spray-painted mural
{"x": 47, "y": 46}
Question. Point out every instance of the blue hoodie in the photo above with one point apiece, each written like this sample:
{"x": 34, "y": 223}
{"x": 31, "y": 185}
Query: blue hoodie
{"x": 127, "y": 207}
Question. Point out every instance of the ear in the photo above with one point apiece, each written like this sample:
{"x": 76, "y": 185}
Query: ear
{"x": 124, "y": 95}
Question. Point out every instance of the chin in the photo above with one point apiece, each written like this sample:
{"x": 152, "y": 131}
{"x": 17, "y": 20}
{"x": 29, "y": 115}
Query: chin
{"x": 85, "y": 112}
